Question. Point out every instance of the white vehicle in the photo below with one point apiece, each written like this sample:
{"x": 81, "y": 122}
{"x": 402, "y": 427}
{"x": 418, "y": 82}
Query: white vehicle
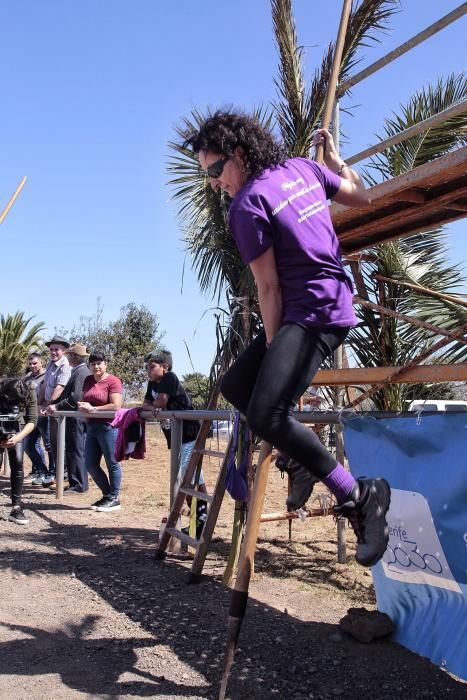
{"x": 437, "y": 405}
{"x": 221, "y": 427}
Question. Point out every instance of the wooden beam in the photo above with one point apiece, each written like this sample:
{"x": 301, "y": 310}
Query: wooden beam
{"x": 459, "y": 336}
{"x": 406, "y": 218}
{"x": 358, "y": 376}
{"x": 414, "y": 196}
{"x": 423, "y": 290}
{"x": 397, "y": 209}
{"x": 432, "y": 173}
{"x": 12, "y": 200}
{"x": 459, "y": 206}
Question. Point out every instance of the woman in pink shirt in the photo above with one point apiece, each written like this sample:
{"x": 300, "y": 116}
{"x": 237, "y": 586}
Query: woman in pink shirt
{"x": 102, "y": 392}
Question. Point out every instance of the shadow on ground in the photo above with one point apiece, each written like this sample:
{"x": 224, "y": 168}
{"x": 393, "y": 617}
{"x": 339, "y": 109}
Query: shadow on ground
{"x": 278, "y": 655}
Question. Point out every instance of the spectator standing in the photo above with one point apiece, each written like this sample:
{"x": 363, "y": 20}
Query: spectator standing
{"x": 75, "y": 428}
{"x": 17, "y": 397}
{"x": 102, "y": 392}
{"x": 164, "y": 391}
{"x": 32, "y": 442}
{"x": 57, "y": 374}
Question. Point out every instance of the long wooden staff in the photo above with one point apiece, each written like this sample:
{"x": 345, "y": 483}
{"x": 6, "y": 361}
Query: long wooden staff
{"x": 12, "y": 200}
{"x": 333, "y": 78}
{"x": 239, "y": 595}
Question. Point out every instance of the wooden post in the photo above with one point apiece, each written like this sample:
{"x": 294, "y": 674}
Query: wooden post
{"x": 239, "y": 595}
{"x": 338, "y": 363}
{"x": 333, "y": 78}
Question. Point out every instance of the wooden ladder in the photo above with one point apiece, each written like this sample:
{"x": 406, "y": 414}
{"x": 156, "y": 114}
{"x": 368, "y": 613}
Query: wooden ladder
{"x": 214, "y": 502}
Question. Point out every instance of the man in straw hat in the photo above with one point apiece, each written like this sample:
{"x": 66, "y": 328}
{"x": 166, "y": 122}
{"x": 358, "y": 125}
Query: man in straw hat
{"x": 57, "y": 374}
{"x": 75, "y": 430}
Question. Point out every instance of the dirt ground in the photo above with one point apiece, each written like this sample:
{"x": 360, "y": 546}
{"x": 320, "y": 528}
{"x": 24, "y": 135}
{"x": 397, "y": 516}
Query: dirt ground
{"x": 86, "y": 612}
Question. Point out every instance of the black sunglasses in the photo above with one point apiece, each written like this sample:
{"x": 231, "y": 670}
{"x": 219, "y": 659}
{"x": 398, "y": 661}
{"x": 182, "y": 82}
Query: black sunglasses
{"x": 216, "y": 169}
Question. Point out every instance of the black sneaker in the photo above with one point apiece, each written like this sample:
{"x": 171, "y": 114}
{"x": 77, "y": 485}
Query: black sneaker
{"x": 366, "y": 511}
{"x": 302, "y": 482}
{"x": 98, "y": 503}
{"x": 200, "y": 523}
{"x": 17, "y": 516}
{"x": 110, "y": 503}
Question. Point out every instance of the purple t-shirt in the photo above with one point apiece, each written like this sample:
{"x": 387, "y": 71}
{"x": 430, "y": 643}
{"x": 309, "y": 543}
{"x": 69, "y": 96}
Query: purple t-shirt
{"x": 286, "y": 207}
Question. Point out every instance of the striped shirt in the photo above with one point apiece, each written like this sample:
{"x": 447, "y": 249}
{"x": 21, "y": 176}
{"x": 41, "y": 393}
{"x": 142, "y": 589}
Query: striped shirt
{"x": 56, "y": 373}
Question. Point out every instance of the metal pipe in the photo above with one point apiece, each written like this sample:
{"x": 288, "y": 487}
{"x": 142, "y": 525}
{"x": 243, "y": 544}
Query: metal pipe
{"x": 403, "y": 48}
{"x": 6, "y": 464}
{"x": 60, "y": 467}
{"x": 318, "y": 417}
{"x": 455, "y": 109}
{"x": 176, "y": 429}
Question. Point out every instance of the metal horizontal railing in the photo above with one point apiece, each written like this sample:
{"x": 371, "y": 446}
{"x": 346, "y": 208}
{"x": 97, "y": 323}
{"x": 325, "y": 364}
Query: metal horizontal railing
{"x": 177, "y": 417}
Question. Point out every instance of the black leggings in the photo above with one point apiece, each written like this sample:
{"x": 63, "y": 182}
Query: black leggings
{"x": 265, "y": 384}
{"x": 15, "y": 457}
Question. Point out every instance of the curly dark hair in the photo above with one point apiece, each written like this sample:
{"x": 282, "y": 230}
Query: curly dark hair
{"x": 13, "y": 393}
{"x": 223, "y": 131}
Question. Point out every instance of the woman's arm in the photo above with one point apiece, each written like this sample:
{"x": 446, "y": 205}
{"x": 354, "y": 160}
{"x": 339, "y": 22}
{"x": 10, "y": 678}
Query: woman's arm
{"x": 269, "y": 292}
{"x": 114, "y": 405}
{"x": 352, "y": 191}
{"x": 14, "y": 439}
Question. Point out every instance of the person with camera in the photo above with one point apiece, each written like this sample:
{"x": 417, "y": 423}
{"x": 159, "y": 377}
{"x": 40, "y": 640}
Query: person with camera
{"x": 18, "y": 418}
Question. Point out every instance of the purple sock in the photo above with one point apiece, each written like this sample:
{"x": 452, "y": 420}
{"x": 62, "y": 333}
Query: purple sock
{"x": 340, "y": 482}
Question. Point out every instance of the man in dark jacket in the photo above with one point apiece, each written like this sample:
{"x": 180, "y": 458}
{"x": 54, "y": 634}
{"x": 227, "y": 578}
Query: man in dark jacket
{"x": 75, "y": 430}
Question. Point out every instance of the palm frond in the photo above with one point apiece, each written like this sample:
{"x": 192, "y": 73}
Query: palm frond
{"x": 421, "y": 259}
{"x": 298, "y": 110}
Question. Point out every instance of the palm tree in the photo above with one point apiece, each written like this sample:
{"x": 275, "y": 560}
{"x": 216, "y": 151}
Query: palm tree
{"x": 16, "y": 340}
{"x": 203, "y": 213}
{"x": 421, "y": 259}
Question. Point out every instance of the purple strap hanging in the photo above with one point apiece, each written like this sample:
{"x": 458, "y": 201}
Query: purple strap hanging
{"x": 236, "y": 479}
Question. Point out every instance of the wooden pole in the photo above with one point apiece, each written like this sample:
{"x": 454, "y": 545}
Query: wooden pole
{"x": 239, "y": 595}
{"x": 400, "y": 371}
{"x": 423, "y": 290}
{"x": 333, "y": 78}
{"x": 409, "y": 319}
{"x": 403, "y": 48}
{"x": 12, "y": 200}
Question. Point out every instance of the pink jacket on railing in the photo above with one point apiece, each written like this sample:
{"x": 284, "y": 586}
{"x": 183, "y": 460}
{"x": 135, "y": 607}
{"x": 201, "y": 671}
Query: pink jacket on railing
{"x": 131, "y": 440}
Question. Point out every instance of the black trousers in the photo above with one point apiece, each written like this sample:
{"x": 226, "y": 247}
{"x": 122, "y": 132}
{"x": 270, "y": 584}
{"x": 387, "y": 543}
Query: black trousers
{"x": 264, "y": 385}
{"x": 75, "y": 436}
{"x": 15, "y": 457}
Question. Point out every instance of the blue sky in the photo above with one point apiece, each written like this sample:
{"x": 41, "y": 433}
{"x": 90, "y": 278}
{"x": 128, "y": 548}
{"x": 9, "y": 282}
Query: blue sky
{"x": 90, "y": 93}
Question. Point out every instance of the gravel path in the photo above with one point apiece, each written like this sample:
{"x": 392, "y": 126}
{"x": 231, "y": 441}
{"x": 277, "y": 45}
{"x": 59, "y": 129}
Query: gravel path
{"x": 87, "y": 612}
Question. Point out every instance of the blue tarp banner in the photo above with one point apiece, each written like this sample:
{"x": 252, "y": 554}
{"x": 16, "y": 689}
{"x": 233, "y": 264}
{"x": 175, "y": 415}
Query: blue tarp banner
{"x": 421, "y": 582}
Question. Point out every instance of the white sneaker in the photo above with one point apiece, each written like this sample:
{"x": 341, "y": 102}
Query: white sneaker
{"x": 48, "y": 480}
{"x": 38, "y": 480}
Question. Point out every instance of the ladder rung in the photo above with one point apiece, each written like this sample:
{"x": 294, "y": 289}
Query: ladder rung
{"x": 183, "y": 537}
{"x": 210, "y": 453}
{"x": 197, "y": 494}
